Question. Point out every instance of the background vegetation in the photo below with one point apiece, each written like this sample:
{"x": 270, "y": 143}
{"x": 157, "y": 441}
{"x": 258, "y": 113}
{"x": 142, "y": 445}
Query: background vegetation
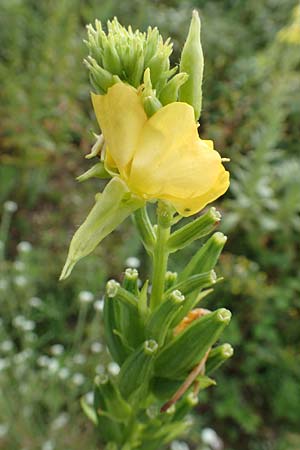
{"x": 50, "y": 334}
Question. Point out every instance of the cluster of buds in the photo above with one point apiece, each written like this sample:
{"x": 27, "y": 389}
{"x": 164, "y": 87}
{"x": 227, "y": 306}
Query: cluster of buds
{"x": 165, "y": 348}
{"x": 143, "y": 61}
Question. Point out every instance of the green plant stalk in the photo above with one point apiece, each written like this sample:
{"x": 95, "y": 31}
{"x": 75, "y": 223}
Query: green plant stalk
{"x": 160, "y": 254}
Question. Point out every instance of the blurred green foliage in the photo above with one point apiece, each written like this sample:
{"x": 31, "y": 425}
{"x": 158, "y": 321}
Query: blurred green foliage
{"x": 251, "y": 110}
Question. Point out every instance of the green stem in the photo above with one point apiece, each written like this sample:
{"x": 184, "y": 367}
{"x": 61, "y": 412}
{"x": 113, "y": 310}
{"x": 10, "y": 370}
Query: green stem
{"x": 160, "y": 254}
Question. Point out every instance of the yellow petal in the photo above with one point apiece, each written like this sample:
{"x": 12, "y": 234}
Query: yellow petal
{"x": 121, "y": 117}
{"x": 172, "y": 162}
{"x": 190, "y": 206}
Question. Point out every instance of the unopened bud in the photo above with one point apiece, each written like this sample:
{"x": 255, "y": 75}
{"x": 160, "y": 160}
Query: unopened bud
{"x": 192, "y": 63}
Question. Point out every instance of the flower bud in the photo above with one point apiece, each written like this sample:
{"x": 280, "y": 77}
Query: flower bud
{"x": 170, "y": 279}
{"x": 206, "y": 257}
{"x": 130, "y": 281}
{"x": 170, "y": 92}
{"x": 115, "y": 345}
{"x": 161, "y": 318}
{"x": 136, "y": 371}
{"x": 189, "y": 347}
{"x": 196, "y": 229}
{"x": 217, "y": 356}
{"x": 191, "y": 62}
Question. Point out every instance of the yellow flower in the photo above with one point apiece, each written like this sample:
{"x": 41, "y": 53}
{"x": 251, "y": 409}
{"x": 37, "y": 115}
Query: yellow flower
{"x": 161, "y": 157}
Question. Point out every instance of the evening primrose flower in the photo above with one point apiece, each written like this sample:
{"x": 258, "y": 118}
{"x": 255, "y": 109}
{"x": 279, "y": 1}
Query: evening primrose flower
{"x": 149, "y": 144}
{"x": 161, "y": 157}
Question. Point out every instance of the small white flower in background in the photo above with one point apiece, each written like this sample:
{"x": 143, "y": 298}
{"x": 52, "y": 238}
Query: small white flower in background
{"x": 63, "y": 373}
{"x": 210, "y": 437}
{"x": 99, "y": 305}
{"x": 43, "y": 360}
{"x": 57, "y": 349}
{"x": 60, "y": 421}
{"x": 35, "y": 302}
{"x": 79, "y": 359}
{"x": 3, "y": 429}
{"x": 86, "y": 296}
{"x": 48, "y": 445}
{"x": 18, "y": 321}
{"x": 53, "y": 365}
{"x": 100, "y": 369}
{"x": 19, "y": 266}
{"x": 7, "y": 346}
{"x": 4, "y": 363}
{"x": 113, "y": 368}
{"x": 20, "y": 281}
{"x": 28, "y": 325}
{"x": 78, "y": 379}
{"x": 89, "y": 398}
{"x": 24, "y": 247}
{"x": 96, "y": 347}
{"x": 21, "y": 357}
{"x": 133, "y": 262}
{"x": 3, "y": 285}
{"x": 179, "y": 445}
{"x": 10, "y": 206}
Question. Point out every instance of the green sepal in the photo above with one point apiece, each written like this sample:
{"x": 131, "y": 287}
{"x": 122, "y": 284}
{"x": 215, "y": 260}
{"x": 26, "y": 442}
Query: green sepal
{"x": 169, "y": 93}
{"x": 145, "y": 228}
{"x": 112, "y": 400}
{"x": 196, "y": 229}
{"x": 114, "y": 342}
{"x": 136, "y": 372}
{"x": 217, "y": 356}
{"x": 188, "y": 348}
{"x": 97, "y": 171}
{"x": 111, "y": 208}
{"x": 192, "y": 63}
{"x": 110, "y": 430}
{"x": 89, "y": 411}
{"x": 127, "y": 319}
{"x": 193, "y": 283}
{"x": 159, "y": 321}
{"x": 143, "y": 301}
{"x": 206, "y": 257}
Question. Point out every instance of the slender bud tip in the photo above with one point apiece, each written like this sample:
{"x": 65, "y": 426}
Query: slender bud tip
{"x": 112, "y": 287}
{"x": 177, "y": 296}
{"x": 219, "y": 238}
{"x": 150, "y": 347}
{"x": 131, "y": 274}
{"x": 224, "y": 315}
{"x": 67, "y": 269}
{"x": 216, "y": 215}
{"x": 227, "y": 350}
{"x": 213, "y": 277}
